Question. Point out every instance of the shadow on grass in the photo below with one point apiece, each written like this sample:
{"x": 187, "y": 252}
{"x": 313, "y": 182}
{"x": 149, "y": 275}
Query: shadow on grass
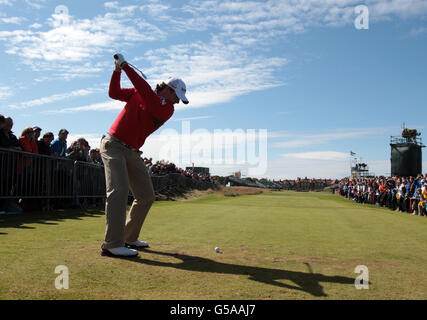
{"x": 46, "y": 218}
{"x": 307, "y": 282}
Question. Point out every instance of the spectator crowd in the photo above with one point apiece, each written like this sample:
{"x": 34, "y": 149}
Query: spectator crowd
{"x": 404, "y": 194}
{"x": 161, "y": 168}
{"x": 32, "y": 141}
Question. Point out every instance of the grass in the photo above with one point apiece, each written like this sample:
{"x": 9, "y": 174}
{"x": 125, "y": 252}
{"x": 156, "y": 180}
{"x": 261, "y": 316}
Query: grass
{"x": 278, "y": 245}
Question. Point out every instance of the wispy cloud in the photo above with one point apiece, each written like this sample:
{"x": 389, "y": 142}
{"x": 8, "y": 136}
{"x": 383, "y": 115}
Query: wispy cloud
{"x": 36, "y": 26}
{"x": 303, "y": 140}
{"x": 103, "y": 106}
{"x": 5, "y": 92}
{"x": 13, "y": 20}
{"x": 268, "y": 19}
{"x": 224, "y": 65}
{"x": 6, "y": 2}
{"x": 63, "y": 43}
{"x": 55, "y": 98}
{"x": 35, "y": 4}
{"x": 318, "y": 155}
{"x": 214, "y": 72}
{"x": 416, "y": 32}
{"x": 292, "y": 168}
{"x": 192, "y": 118}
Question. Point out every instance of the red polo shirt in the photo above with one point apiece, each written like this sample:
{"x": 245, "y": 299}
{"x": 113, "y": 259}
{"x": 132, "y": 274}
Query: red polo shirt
{"x": 143, "y": 113}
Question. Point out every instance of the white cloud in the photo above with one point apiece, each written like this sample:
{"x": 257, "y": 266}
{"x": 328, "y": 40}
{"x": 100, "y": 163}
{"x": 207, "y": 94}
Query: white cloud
{"x": 13, "y": 20}
{"x": 54, "y": 98}
{"x": 214, "y": 72}
{"x": 36, "y": 26}
{"x": 111, "y": 5}
{"x": 5, "y": 92}
{"x": 318, "y": 155}
{"x": 228, "y": 64}
{"x": 304, "y": 140}
{"x": 269, "y": 19}
{"x": 103, "y": 106}
{"x": 192, "y": 118}
{"x": 415, "y": 32}
{"x": 35, "y": 4}
{"x": 403, "y": 8}
{"x": 63, "y": 42}
{"x": 6, "y": 2}
{"x": 292, "y": 168}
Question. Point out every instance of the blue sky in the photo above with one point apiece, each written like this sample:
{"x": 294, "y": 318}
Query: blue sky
{"x": 298, "y": 69}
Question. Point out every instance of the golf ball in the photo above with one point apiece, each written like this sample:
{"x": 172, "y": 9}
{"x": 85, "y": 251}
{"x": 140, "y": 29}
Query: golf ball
{"x": 217, "y": 249}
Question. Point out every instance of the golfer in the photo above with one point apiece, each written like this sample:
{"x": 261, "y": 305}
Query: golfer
{"x": 145, "y": 111}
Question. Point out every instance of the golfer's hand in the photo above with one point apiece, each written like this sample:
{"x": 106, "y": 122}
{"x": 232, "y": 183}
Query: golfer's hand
{"x": 117, "y": 68}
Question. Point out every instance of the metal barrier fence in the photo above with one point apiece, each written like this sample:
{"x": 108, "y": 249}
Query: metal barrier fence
{"x": 89, "y": 180}
{"x": 26, "y": 175}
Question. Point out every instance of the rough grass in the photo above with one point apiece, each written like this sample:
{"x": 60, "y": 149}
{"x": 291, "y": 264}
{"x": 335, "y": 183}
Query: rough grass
{"x": 278, "y": 245}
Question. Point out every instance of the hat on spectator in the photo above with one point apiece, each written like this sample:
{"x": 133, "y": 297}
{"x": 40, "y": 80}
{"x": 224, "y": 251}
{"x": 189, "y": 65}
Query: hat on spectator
{"x": 63, "y": 131}
{"x": 35, "y": 128}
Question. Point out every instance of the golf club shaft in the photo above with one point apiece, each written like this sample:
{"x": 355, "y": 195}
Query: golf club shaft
{"x": 142, "y": 74}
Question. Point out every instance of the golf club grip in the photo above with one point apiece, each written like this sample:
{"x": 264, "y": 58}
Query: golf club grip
{"x": 116, "y": 57}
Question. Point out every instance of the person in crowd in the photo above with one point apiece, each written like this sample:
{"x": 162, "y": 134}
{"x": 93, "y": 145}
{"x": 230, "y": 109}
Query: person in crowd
{"x": 3, "y": 137}
{"x": 95, "y": 156}
{"x": 27, "y": 141}
{"x": 424, "y": 199}
{"x": 7, "y": 139}
{"x": 25, "y": 168}
{"x": 98, "y": 156}
{"x": 92, "y": 155}
{"x": 3, "y": 178}
{"x": 2, "y": 122}
{"x": 37, "y": 131}
{"x": 79, "y": 151}
{"x": 415, "y": 201}
{"x": 59, "y": 145}
{"x": 44, "y": 144}
{"x": 402, "y": 196}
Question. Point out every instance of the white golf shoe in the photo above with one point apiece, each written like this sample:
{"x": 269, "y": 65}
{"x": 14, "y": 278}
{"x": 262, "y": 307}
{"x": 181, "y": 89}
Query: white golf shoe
{"x": 119, "y": 252}
{"x": 138, "y": 244}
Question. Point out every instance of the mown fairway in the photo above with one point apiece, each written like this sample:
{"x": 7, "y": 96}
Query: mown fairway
{"x": 279, "y": 245}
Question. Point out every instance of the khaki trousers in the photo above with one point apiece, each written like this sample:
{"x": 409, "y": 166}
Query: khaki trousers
{"x": 124, "y": 168}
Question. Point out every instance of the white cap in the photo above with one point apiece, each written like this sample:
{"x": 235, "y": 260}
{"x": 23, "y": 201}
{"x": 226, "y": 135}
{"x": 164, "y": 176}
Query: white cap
{"x": 179, "y": 87}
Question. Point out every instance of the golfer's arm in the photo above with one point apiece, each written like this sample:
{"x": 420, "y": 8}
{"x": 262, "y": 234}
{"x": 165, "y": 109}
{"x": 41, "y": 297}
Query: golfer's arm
{"x": 115, "y": 91}
{"x": 140, "y": 84}
{"x": 148, "y": 95}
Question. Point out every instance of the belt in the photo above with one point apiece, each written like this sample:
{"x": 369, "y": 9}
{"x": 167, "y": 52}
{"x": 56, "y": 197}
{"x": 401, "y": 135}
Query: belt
{"x": 122, "y": 143}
